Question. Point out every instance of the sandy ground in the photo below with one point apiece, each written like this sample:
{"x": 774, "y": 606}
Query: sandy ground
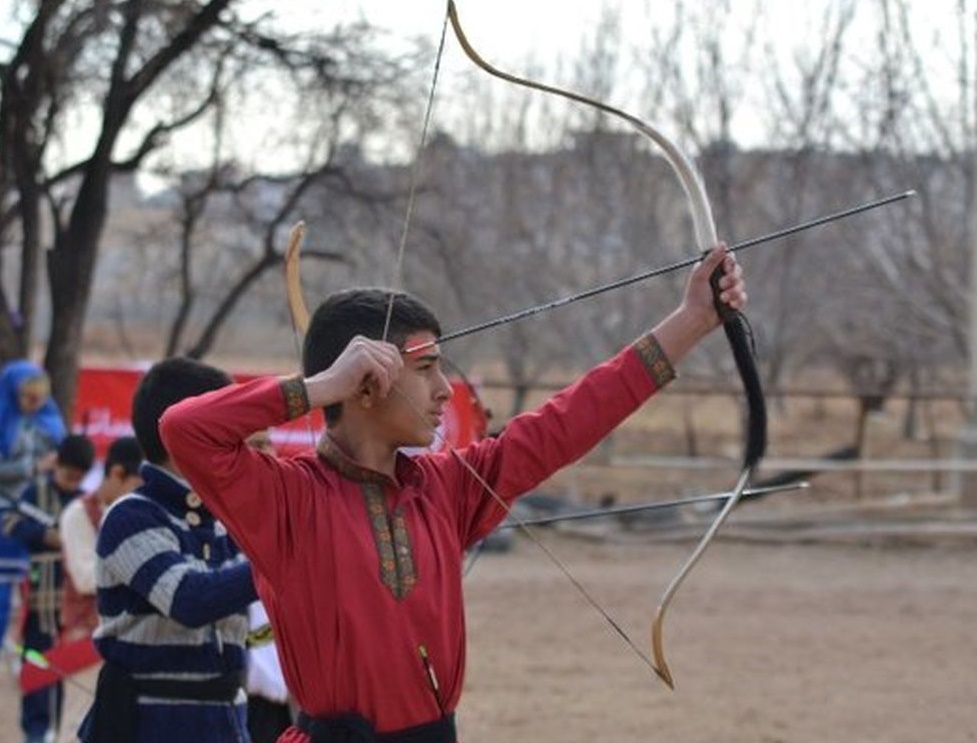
{"x": 767, "y": 643}
{"x": 800, "y": 643}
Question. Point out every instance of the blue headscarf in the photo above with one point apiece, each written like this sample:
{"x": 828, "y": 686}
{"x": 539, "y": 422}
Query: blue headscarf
{"x": 48, "y": 418}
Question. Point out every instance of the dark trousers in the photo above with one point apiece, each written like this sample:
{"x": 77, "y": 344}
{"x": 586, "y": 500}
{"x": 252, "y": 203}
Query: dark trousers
{"x": 267, "y": 719}
{"x": 40, "y": 710}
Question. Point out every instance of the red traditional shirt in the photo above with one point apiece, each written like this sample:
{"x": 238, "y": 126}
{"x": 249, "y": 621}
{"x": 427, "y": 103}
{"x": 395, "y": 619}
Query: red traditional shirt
{"x": 358, "y": 572}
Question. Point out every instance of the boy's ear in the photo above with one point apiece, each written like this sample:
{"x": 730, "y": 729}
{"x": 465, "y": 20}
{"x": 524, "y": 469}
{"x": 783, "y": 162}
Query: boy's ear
{"x": 366, "y": 394}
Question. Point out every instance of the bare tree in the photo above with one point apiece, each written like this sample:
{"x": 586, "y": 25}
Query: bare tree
{"x": 143, "y": 71}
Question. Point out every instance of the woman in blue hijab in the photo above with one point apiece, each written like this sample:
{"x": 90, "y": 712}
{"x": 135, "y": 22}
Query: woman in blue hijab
{"x": 31, "y": 427}
{"x": 30, "y": 420}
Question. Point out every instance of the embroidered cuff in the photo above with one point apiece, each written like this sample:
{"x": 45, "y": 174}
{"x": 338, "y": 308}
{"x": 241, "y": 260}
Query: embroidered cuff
{"x": 656, "y": 362}
{"x": 296, "y": 396}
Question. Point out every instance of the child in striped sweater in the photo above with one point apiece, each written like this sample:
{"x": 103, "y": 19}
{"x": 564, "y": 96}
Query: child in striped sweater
{"x": 173, "y": 591}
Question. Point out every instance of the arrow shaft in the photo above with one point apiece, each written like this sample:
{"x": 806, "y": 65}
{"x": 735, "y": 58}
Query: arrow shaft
{"x": 660, "y": 505}
{"x": 662, "y": 270}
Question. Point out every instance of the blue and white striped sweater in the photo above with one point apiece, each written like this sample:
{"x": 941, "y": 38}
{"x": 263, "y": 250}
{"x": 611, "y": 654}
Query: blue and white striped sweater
{"x": 172, "y": 597}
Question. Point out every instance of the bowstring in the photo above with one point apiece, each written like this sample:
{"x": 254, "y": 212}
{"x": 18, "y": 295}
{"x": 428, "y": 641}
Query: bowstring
{"x": 396, "y": 284}
{"x": 531, "y": 534}
{"x": 397, "y": 280}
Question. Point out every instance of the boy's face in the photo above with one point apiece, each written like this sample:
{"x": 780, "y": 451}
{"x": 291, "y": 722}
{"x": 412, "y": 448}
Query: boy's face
{"x": 118, "y": 483}
{"x": 415, "y": 408}
{"x": 68, "y": 478}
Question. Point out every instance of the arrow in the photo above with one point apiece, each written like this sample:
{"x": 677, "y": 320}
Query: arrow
{"x": 660, "y": 505}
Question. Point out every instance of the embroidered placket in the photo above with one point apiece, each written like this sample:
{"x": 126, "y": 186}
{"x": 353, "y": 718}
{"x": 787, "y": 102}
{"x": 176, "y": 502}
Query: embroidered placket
{"x": 393, "y": 542}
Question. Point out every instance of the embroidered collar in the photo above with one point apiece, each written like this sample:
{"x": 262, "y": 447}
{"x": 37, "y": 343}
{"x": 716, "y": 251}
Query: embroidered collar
{"x": 408, "y": 473}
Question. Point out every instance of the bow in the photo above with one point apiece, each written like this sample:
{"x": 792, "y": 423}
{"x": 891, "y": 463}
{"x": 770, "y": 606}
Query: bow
{"x": 734, "y": 324}
{"x": 297, "y": 309}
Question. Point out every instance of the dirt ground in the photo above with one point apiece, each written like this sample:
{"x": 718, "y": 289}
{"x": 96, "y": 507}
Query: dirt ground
{"x": 767, "y": 643}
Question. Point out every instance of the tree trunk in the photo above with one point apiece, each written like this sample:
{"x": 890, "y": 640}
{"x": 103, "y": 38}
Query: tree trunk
{"x": 71, "y": 265}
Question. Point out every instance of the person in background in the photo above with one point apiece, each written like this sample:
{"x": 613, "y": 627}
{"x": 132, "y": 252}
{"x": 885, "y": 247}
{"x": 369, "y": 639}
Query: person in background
{"x": 35, "y": 527}
{"x": 173, "y": 590}
{"x": 269, "y": 711}
{"x": 79, "y": 525}
{"x": 31, "y": 427}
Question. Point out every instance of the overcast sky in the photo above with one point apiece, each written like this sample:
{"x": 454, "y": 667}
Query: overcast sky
{"x": 500, "y": 26}
{"x": 514, "y": 28}
{"x": 511, "y": 33}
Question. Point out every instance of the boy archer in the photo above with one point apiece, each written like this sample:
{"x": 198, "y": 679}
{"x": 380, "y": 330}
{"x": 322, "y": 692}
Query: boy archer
{"x": 356, "y": 547}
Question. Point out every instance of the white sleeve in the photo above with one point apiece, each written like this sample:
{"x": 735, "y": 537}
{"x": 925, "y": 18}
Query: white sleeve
{"x": 265, "y": 676}
{"x": 78, "y": 546}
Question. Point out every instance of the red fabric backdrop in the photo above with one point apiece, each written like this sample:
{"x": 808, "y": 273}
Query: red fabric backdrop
{"x": 105, "y": 398}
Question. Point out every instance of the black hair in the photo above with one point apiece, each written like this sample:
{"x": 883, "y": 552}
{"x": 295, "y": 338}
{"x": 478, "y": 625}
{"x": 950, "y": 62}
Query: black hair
{"x": 363, "y": 311}
{"x": 76, "y": 450}
{"x": 165, "y": 384}
{"x": 126, "y": 453}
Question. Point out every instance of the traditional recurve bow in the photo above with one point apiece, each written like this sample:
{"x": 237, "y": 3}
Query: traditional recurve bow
{"x": 734, "y": 324}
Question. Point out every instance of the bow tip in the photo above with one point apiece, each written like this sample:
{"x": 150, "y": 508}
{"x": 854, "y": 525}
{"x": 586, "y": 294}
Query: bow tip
{"x": 659, "y": 665}
{"x": 665, "y": 675}
{"x": 296, "y": 236}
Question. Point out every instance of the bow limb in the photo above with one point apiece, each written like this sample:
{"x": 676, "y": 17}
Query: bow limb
{"x": 734, "y": 324}
{"x": 297, "y": 308}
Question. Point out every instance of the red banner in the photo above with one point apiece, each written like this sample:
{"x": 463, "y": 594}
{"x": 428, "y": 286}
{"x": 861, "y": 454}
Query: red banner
{"x": 40, "y": 670}
{"x": 104, "y": 404}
